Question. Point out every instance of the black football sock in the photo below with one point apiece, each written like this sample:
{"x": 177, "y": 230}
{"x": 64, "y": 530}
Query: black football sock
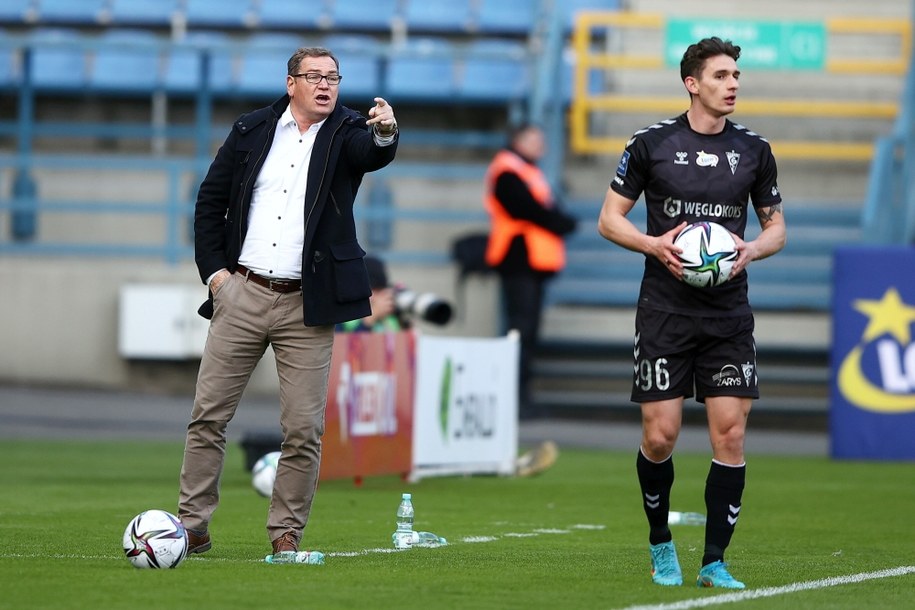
{"x": 723, "y": 490}
{"x": 656, "y": 479}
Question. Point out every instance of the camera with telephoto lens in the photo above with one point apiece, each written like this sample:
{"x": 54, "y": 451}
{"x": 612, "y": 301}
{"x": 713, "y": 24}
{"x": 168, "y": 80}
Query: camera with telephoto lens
{"x": 422, "y": 305}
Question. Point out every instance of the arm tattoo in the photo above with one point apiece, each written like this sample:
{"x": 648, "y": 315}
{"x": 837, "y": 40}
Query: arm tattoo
{"x": 768, "y": 213}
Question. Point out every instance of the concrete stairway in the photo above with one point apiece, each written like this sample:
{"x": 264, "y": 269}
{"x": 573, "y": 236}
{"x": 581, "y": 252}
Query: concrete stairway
{"x": 575, "y": 378}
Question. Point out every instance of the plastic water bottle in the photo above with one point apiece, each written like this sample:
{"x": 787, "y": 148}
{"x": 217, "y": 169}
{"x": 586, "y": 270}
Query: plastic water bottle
{"x": 307, "y": 557}
{"x": 403, "y": 537}
{"x": 428, "y": 539}
{"x": 685, "y": 518}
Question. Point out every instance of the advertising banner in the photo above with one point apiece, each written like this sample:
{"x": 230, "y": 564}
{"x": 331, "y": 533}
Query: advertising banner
{"x": 466, "y": 415}
{"x": 872, "y": 401}
{"x": 369, "y": 416}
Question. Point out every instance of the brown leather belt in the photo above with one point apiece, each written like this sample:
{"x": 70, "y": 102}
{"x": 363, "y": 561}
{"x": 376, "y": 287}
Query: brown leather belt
{"x": 275, "y": 285}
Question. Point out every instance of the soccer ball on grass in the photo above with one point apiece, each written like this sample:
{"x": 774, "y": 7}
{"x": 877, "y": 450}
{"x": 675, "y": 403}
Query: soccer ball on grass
{"x": 155, "y": 539}
{"x": 263, "y": 474}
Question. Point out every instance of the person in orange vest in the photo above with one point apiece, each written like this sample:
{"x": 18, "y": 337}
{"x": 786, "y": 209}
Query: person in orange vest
{"x": 525, "y": 241}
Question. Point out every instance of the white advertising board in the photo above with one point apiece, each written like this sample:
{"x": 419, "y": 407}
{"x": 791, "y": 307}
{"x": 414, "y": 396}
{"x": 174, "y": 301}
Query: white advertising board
{"x": 160, "y": 322}
{"x": 465, "y": 417}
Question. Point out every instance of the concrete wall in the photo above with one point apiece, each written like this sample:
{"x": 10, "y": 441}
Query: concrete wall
{"x": 59, "y": 322}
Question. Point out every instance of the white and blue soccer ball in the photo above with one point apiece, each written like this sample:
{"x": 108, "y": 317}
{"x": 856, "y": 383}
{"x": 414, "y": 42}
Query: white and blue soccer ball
{"x": 155, "y": 539}
{"x": 709, "y": 253}
{"x": 263, "y": 474}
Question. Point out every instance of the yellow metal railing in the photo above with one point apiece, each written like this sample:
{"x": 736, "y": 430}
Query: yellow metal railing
{"x": 586, "y": 104}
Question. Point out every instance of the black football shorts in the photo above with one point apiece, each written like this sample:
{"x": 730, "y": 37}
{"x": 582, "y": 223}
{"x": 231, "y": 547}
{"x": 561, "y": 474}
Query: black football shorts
{"x": 679, "y": 355}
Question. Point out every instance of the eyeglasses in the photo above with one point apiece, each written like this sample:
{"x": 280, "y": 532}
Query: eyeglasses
{"x": 314, "y": 78}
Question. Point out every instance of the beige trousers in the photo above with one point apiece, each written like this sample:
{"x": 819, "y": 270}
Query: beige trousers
{"x": 247, "y": 318}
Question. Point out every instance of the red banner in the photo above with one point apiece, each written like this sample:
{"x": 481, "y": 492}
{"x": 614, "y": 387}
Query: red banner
{"x": 369, "y": 417}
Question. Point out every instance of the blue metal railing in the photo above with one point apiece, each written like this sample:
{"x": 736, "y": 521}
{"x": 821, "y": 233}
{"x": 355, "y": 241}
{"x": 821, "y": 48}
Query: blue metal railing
{"x": 25, "y": 203}
{"x": 175, "y": 244}
{"x": 176, "y": 208}
{"x": 889, "y": 210}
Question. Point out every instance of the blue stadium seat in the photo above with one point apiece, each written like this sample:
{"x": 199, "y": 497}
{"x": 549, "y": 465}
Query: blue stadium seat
{"x": 219, "y": 13}
{"x": 70, "y": 12}
{"x": 422, "y": 70}
{"x": 8, "y": 76}
{"x": 495, "y": 71}
{"x": 570, "y": 7}
{"x": 363, "y": 15}
{"x": 16, "y": 11}
{"x": 263, "y": 64}
{"x": 58, "y": 60}
{"x": 275, "y": 41}
{"x": 353, "y": 43}
{"x": 285, "y": 14}
{"x": 143, "y": 12}
{"x": 181, "y": 75}
{"x": 262, "y": 75}
{"x": 438, "y": 15}
{"x": 127, "y": 61}
{"x": 360, "y": 58}
{"x": 497, "y": 16}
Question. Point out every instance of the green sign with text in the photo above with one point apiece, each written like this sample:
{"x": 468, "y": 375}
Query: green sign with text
{"x": 775, "y": 45}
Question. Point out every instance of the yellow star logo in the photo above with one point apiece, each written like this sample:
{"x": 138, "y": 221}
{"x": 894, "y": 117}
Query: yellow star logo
{"x": 888, "y": 315}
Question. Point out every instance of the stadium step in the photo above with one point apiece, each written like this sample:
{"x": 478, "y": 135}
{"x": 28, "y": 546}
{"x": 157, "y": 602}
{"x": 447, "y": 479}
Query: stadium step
{"x": 584, "y": 378}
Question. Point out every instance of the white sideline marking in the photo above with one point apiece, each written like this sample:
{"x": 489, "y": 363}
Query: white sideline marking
{"x": 730, "y": 598}
{"x": 59, "y": 556}
{"x": 363, "y": 552}
{"x": 468, "y": 539}
{"x": 118, "y": 557}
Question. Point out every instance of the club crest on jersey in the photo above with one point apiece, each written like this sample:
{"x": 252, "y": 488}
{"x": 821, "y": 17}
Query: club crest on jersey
{"x": 682, "y": 158}
{"x": 733, "y": 160}
{"x": 704, "y": 159}
{"x": 747, "y": 368}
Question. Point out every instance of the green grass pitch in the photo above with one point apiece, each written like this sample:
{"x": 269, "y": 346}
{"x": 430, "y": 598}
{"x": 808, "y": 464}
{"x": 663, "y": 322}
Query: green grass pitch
{"x": 573, "y": 537}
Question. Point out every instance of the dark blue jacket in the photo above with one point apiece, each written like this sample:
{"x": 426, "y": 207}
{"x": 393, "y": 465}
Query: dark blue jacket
{"x": 335, "y": 284}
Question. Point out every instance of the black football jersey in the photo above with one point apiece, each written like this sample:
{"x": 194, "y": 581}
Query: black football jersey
{"x": 692, "y": 177}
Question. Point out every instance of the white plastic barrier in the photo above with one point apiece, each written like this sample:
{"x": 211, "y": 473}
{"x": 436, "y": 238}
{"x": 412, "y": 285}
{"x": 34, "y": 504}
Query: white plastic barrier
{"x": 465, "y": 418}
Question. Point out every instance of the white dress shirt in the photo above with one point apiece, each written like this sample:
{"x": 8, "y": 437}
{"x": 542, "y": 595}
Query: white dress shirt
{"x": 276, "y": 218}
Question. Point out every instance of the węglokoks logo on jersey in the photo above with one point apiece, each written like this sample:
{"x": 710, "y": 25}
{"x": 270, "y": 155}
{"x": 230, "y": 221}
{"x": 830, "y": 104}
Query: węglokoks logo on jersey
{"x": 674, "y": 208}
